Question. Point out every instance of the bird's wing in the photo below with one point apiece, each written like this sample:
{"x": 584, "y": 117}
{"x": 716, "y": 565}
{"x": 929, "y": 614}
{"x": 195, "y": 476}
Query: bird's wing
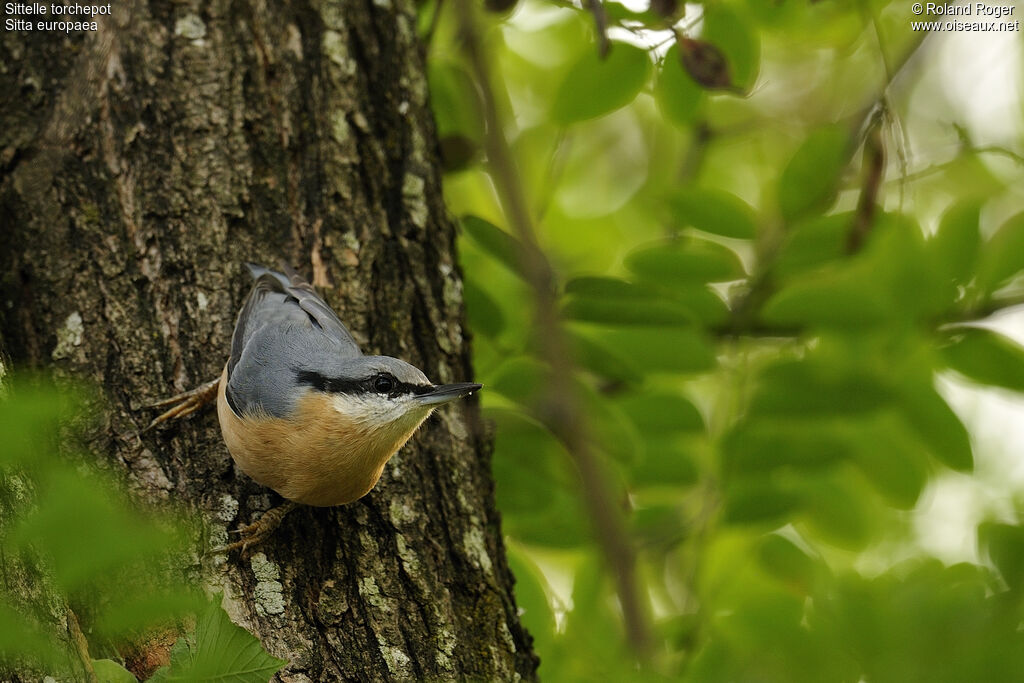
{"x": 318, "y": 311}
{"x": 276, "y": 297}
{"x": 283, "y": 323}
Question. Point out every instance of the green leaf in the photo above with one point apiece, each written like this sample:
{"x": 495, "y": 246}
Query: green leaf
{"x": 986, "y": 357}
{"x": 662, "y": 349}
{"x": 1004, "y": 544}
{"x": 897, "y": 256}
{"x": 665, "y": 420}
{"x": 87, "y": 533}
{"x": 29, "y": 420}
{"x": 836, "y": 508}
{"x": 676, "y": 93}
{"x": 611, "y": 430}
{"x": 502, "y": 246}
{"x": 698, "y": 301}
{"x": 132, "y": 611}
{"x": 483, "y": 312}
{"x": 593, "y": 355}
{"x": 220, "y": 651}
{"x": 109, "y": 671}
{"x": 606, "y": 287}
{"x": 618, "y": 303}
{"x": 706, "y": 305}
{"x": 838, "y": 297}
{"x": 813, "y": 243}
{"x": 714, "y": 211}
{"x": 758, "y": 446}
{"x": 938, "y": 426}
{"x": 731, "y": 33}
{"x": 534, "y": 488}
{"x": 520, "y": 379}
{"x": 526, "y": 457}
{"x": 665, "y": 460}
{"x": 661, "y": 412}
{"x": 620, "y": 312}
{"x": 531, "y": 597}
{"x": 808, "y": 388}
{"x": 782, "y": 559}
{"x": 891, "y": 280}
{"x": 811, "y": 178}
{"x": 1002, "y": 256}
{"x": 753, "y": 501}
{"x": 594, "y": 87}
{"x": 22, "y": 638}
{"x": 593, "y": 626}
{"x": 892, "y": 459}
{"x": 654, "y": 523}
{"x": 685, "y": 262}
{"x": 592, "y": 617}
{"x": 454, "y": 99}
{"x": 955, "y": 245}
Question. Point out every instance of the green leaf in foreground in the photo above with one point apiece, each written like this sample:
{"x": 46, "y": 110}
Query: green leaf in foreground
{"x": 676, "y": 92}
{"x": 731, "y": 33}
{"x": 502, "y": 246}
{"x": 685, "y": 262}
{"x": 784, "y": 560}
{"x": 620, "y": 312}
{"x": 109, "y": 671}
{"x": 955, "y": 245}
{"x": 938, "y": 426}
{"x": 483, "y": 311}
{"x": 1004, "y": 544}
{"x": 596, "y": 86}
{"x": 220, "y": 651}
{"x": 1002, "y": 257}
{"x": 810, "y": 180}
{"x": 987, "y": 357}
{"x": 715, "y": 211}
{"x": 837, "y": 297}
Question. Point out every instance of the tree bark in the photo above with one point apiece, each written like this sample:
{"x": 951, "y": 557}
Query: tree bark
{"x": 142, "y": 164}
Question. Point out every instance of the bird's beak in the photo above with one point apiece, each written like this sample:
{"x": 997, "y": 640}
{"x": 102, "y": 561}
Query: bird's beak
{"x": 443, "y": 393}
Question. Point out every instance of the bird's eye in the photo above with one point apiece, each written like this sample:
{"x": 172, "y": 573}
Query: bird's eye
{"x": 384, "y": 384}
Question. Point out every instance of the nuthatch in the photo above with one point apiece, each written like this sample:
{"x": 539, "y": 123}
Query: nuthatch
{"x": 302, "y": 410}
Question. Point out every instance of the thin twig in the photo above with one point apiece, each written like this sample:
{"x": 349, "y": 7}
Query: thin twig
{"x": 562, "y": 411}
{"x": 434, "y": 21}
{"x": 874, "y": 172}
{"x": 601, "y": 26}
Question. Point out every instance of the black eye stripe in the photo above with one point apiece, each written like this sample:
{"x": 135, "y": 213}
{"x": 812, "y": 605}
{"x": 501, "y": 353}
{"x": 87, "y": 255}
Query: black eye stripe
{"x": 355, "y": 387}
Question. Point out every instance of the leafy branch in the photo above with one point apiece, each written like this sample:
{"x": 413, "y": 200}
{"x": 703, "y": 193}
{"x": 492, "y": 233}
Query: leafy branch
{"x": 561, "y": 408}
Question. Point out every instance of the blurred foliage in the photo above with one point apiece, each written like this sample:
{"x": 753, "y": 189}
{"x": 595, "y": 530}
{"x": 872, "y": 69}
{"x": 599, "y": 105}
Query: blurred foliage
{"x": 218, "y": 650}
{"x": 88, "y": 573}
{"x": 760, "y": 382}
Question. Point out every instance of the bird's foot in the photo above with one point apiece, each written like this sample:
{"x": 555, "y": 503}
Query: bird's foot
{"x": 257, "y": 532}
{"x": 184, "y": 404}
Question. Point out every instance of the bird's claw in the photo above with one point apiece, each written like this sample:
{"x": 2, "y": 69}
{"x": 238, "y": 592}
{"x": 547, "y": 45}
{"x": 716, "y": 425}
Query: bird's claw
{"x": 184, "y": 404}
{"x": 257, "y": 532}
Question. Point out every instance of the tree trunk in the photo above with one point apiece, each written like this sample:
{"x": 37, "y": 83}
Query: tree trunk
{"x": 142, "y": 164}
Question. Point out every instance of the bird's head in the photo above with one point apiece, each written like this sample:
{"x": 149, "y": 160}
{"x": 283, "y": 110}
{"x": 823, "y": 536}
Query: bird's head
{"x": 381, "y": 395}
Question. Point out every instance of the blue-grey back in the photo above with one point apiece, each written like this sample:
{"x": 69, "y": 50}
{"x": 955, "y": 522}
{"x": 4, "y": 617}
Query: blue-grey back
{"x": 284, "y": 328}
